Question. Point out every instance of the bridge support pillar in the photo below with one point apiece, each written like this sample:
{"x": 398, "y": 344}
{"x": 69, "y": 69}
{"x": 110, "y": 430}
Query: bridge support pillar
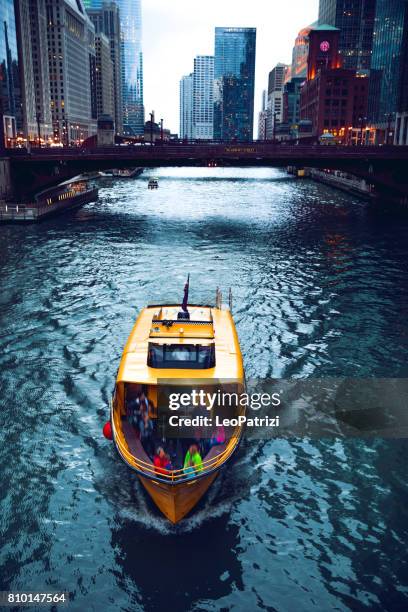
{"x": 6, "y": 185}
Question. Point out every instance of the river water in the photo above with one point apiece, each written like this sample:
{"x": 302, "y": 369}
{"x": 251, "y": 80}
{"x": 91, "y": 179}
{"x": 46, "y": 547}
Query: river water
{"x": 320, "y": 285}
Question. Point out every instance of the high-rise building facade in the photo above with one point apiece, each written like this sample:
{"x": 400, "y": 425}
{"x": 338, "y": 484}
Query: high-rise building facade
{"x": 105, "y": 101}
{"x": 106, "y": 20}
{"x": 276, "y": 82}
{"x": 203, "y": 97}
{"x": 300, "y": 53}
{"x": 355, "y": 20}
{"x": 387, "y": 81}
{"x": 333, "y": 99}
{"x": 291, "y": 104}
{"x": 234, "y": 72}
{"x": 186, "y": 107}
{"x": 132, "y": 66}
{"x": 130, "y": 12}
{"x": 10, "y": 90}
{"x": 25, "y": 54}
{"x": 262, "y": 116}
{"x": 72, "y": 70}
{"x": 401, "y": 118}
{"x": 39, "y": 48}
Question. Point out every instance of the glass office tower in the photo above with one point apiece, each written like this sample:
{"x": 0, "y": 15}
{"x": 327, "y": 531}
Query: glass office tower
{"x": 387, "y": 64}
{"x": 234, "y": 81}
{"x": 355, "y": 20}
{"x": 10, "y": 91}
{"x": 130, "y": 12}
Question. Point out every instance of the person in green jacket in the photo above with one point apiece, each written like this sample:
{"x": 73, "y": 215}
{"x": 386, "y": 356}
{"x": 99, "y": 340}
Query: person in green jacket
{"x": 192, "y": 462}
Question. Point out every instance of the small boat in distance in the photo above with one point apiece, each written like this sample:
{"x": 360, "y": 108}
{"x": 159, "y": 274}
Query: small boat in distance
{"x": 153, "y": 183}
{"x": 127, "y": 173}
{"x": 181, "y": 344}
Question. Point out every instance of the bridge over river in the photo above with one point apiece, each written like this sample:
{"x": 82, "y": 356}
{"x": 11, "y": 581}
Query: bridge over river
{"x": 385, "y": 167}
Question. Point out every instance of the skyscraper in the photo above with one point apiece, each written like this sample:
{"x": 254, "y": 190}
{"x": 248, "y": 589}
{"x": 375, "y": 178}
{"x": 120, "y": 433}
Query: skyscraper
{"x": 300, "y": 52}
{"x": 401, "y": 119}
{"x": 25, "y": 56}
{"x": 130, "y": 12}
{"x": 203, "y": 97}
{"x": 355, "y": 20}
{"x": 105, "y": 101}
{"x": 39, "y": 48}
{"x": 10, "y": 92}
{"x": 186, "y": 106}
{"x": 262, "y": 116}
{"x": 276, "y": 82}
{"x": 387, "y": 83}
{"x": 234, "y": 73}
{"x": 132, "y": 66}
{"x": 291, "y": 103}
{"x": 107, "y": 21}
{"x": 71, "y": 48}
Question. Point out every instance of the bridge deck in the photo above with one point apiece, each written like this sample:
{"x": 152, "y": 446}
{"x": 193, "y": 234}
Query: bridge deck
{"x": 383, "y": 166}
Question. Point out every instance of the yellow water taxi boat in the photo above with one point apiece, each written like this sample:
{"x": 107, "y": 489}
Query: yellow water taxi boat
{"x": 178, "y": 344}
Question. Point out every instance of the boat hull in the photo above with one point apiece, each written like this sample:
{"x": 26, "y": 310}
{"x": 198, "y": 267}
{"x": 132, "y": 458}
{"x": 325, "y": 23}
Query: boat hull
{"x": 176, "y": 501}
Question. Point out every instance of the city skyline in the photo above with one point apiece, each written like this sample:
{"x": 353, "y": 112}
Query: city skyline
{"x": 89, "y": 71}
{"x": 184, "y": 34}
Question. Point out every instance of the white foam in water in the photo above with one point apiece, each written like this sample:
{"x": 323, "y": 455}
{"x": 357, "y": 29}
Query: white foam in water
{"x": 143, "y": 515}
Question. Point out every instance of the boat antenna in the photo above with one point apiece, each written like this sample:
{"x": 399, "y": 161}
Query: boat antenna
{"x": 183, "y": 313}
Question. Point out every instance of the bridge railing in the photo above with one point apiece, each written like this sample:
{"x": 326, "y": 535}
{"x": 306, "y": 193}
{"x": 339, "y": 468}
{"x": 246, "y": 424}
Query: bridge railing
{"x": 209, "y": 148}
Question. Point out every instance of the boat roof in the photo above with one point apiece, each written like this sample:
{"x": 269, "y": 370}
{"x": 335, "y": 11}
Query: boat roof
{"x": 166, "y": 326}
{"x": 160, "y": 324}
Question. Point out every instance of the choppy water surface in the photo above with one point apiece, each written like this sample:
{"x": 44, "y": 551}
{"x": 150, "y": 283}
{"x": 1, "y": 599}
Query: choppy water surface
{"x": 320, "y": 286}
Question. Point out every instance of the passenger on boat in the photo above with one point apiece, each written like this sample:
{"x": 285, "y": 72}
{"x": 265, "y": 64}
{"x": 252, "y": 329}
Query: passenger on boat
{"x": 143, "y": 403}
{"x": 152, "y": 408}
{"x": 137, "y": 407}
{"x": 133, "y": 410}
{"x": 218, "y": 436}
{"x": 161, "y": 461}
{"x": 146, "y": 433}
{"x": 193, "y": 461}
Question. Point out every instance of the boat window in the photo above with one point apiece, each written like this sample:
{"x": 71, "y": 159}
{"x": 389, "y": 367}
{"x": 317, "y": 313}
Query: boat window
{"x": 189, "y": 356}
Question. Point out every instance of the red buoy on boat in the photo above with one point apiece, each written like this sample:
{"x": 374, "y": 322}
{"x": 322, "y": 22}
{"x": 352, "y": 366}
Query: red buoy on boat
{"x": 107, "y": 430}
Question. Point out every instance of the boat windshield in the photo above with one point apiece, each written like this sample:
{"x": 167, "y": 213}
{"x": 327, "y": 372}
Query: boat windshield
{"x": 186, "y": 356}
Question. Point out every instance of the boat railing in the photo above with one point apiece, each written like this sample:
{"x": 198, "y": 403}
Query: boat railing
{"x": 10, "y": 212}
{"x": 218, "y": 298}
{"x": 170, "y": 476}
{"x": 200, "y": 298}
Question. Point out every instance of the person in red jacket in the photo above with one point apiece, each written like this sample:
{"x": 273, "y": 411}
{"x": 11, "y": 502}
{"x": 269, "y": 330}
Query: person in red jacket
{"x": 161, "y": 461}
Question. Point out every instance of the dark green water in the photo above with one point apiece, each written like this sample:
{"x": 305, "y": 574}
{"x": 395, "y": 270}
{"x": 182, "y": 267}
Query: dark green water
{"x": 320, "y": 286}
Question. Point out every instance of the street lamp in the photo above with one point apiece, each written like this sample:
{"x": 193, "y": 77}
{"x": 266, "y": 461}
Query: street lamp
{"x": 2, "y": 132}
{"x": 161, "y": 130}
{"x": 274, "y": 125}
{"x": 362, "y": 122}
{"x": 388, "y": 116}
{"x": 38, "y": 117}
{"x": 66, "y": 135}
{"x": 151, "y": 126}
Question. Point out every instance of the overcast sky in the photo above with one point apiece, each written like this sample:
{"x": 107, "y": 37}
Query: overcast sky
{"x": 175, "y": 31}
